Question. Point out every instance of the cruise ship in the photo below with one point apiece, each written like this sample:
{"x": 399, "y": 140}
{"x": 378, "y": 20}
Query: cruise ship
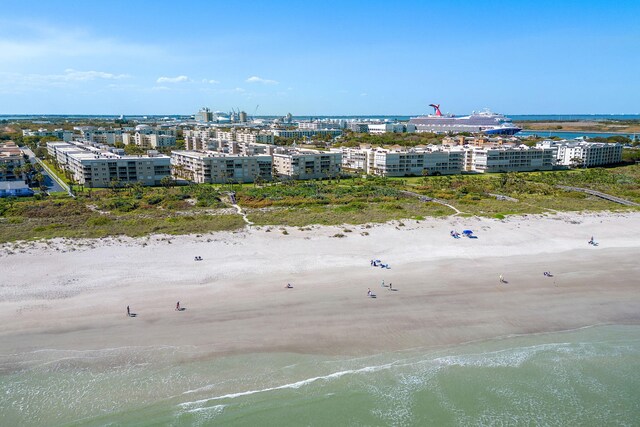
{"x": 485, "y": 122}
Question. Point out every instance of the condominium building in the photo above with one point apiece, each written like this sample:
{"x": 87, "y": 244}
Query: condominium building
{"x": 220, "y": 168}
{"x": 583, "y": 153}
{"x": 432, "y": 160}
{"x": 323, "y": 124}
{"x": 306, "y": 164}
{"x": 11, "y": 160}
{"x": 101, "y": 135}
{"x": 61, "y": 134}
{"x": 519, "y": 158}
{"x": 253, "y": 137}
{"x": 150, "y": 138}
{"x": 444, "y": 160}
{"x": 378, "y": 128}
{"x": 302, "y": 133}
{"x": 200, "y": 139}
{"x": 358, "y": 127}
{"x": 95, "y": 168}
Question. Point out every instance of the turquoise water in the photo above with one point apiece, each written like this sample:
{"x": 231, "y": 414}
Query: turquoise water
{"x": 589, "y": 377}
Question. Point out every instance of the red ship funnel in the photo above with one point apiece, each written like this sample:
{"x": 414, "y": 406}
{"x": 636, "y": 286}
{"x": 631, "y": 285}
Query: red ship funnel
{"x": 436, "y": 107}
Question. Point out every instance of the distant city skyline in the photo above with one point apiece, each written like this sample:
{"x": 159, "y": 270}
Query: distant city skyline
{"x": 329, "y": 58}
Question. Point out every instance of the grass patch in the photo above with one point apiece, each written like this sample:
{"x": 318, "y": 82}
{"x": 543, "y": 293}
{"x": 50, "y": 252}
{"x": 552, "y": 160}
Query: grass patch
{"x": 136, "y": 211}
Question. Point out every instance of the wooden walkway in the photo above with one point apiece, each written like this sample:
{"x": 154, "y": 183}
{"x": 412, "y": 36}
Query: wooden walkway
{"x": 601, "y": 195}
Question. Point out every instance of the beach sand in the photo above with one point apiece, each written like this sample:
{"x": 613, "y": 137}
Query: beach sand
{"x": 72, "y": 295}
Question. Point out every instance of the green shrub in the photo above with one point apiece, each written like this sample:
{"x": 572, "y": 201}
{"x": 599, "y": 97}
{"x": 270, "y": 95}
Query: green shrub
{"x": 154, "y": 200}
{"x": 99, "y": 221}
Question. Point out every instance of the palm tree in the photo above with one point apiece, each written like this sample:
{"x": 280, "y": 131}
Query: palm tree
{"x": 39, "y": 178}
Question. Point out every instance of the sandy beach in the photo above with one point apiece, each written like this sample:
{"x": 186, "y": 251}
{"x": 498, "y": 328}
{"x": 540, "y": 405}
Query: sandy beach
{"x": 73, "y": 295}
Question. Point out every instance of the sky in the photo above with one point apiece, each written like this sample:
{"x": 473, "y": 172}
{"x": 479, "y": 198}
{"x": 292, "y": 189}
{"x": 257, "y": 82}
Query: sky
{"x": 319, "y": 58}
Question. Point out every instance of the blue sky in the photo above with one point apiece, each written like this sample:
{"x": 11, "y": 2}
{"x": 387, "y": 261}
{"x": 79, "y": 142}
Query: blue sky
{"x": 322, "y": 58}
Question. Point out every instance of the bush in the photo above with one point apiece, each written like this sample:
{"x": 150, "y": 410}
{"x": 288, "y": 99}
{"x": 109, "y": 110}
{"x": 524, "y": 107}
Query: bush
{"x": 154, "y": 200}
{"x": 99, "y": 221}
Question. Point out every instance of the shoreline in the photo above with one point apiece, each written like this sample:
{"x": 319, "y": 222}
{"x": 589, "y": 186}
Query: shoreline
{"x": 448, "y": 292}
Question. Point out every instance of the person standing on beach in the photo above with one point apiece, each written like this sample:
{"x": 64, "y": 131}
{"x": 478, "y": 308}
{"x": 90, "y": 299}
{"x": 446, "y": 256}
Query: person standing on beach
{"x": 178, "y": 306}
{"x": 128, "y": 312}
{"x": 501, "y": 279}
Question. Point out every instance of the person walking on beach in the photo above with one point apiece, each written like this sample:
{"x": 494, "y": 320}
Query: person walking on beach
{"x": 390, "y": 288}
{"x": 368, "y": 292}
{"x": 383, "y": 283}
{"x": 128, "y": 312}
{"x": 178, "y": 306}
{"x": 501, "y": 279}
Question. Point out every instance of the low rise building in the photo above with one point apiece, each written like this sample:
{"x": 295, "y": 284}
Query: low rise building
{"x": 200, "y": 138}
{"x": 306, "y": 164}
{"x": 305, "y": 133}
{"x": 378, "y": 128}
{"x": 320, "y": 124}
{"x": 150, "y": 138}
{"x": 15, "y": 189}
{"x": 358, "y": 127}
{"x": 11, "y": 162}
{"x": 211, "y": 167}
{"x": 95, "y": 168}
{"x": 253, "y": 137}
{"x": 430, "y": 160}
{"x": 61, "y": 134}
{"x": 100, "y": 135}
{"x": 583, "y": 153}
{"x": 504, "y": 158}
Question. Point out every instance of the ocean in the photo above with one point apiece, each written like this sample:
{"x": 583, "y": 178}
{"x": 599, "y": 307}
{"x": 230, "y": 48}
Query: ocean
{"x": 585, "y": 377}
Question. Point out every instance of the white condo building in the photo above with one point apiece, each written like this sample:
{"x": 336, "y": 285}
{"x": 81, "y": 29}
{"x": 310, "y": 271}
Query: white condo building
{"x": 504, "y": 158}
{"x": 306, "y": 164}
{"x": 212, "y": 167}
{"x": 305, "y": 133}
{"x": 317, "y": 125}
{"x": 446, "y": 160}
{"x": 200, "y": 139}
{"x": 584, "y": 154}
{"x": 61, "y": 134}
{"x": 432, "y": 160}
{"x": 378, "y": 128}
{"x": 150, "y": 138}
{"x": 95, "y": 168}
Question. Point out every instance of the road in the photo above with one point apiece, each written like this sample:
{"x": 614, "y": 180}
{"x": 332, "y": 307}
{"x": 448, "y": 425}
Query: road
{"x": 49, "y": 177}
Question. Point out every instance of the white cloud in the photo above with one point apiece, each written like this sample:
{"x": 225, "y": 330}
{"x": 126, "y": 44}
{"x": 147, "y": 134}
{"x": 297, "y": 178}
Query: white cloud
{"x": 363, "y": 94}
{"x": 159, "y": 88}
{"x": 28, "y": 41}
{"x": 68, "y": 79}
{"x": 256, "y": 79}
{"x": 71, "y": 74}
{"x": 213, "y": 82}
{"x": 177, "y": 79}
